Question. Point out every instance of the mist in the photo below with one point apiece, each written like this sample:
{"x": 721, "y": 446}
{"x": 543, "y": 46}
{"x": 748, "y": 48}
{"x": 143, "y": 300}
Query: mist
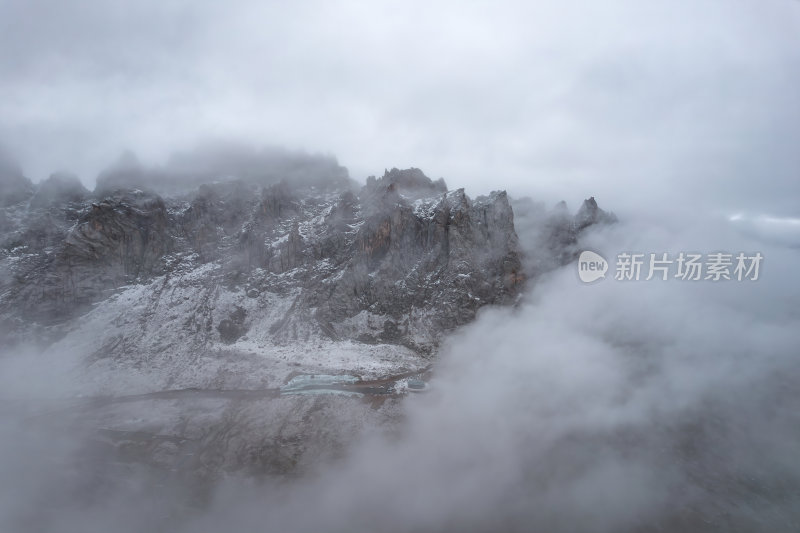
{"x": 613, "y": 406}
{"x": 555, "y": 100}
{"x": 618, "y": 406}
{"x": 639, "y": 406}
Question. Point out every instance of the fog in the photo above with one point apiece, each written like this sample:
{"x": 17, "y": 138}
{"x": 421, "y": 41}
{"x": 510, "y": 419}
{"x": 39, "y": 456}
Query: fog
{"x": 607, "y": 407}
{"x": 222, "y": 160}
{"x": 620, "y": 406}
{"x": 675, "y": 100}
{"x": 616, "y": 406}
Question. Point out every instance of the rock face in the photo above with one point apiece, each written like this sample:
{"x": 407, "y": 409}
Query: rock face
{"x": 423, "y": 267}
{"x": 400, "y": 261}
{"x": 63, "y": 263}
{"x": 204, "y": 297}
{"x": 590, "y": 214}
{"x": 550, "y": 236}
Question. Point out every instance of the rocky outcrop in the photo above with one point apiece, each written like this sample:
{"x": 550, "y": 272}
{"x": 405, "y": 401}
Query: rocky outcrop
{"x": 126, "y": 235}
{"x": 232, "y": 328}
{"x": 590, "y": 214}
{"x": 412, "y": 183}
{"x": 60, "y": 270}
{"x": 424, "y": 267}
{"x": 550, "y": 236}
{"x": 401, "y": 260}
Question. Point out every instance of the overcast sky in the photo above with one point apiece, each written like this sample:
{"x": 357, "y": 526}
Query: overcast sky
{"x": 630, "y": 101}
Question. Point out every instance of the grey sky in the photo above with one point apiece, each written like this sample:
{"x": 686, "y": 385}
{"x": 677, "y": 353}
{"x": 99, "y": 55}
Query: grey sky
{"x": 630, "y": 101}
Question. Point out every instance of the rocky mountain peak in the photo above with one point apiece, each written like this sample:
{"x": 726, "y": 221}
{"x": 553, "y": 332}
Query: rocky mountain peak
{"x": 411, "y": 182}
{"x": 589, "y": 213}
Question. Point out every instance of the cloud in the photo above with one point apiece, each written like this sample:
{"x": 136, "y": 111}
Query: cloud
{"x": 558, "y": 100}
{"x": 785, "y": 230}
{"x": 607, "y": 407}
{"x": 614, "y": 406}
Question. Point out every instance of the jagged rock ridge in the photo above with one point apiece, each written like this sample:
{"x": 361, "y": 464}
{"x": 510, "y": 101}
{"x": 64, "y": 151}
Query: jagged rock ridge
{"x": 249, "y": 263}
{"x": 195, "y": 303}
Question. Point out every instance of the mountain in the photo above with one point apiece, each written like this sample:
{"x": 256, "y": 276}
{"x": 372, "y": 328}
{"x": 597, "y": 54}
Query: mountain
{"x": 253, "y": 284}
